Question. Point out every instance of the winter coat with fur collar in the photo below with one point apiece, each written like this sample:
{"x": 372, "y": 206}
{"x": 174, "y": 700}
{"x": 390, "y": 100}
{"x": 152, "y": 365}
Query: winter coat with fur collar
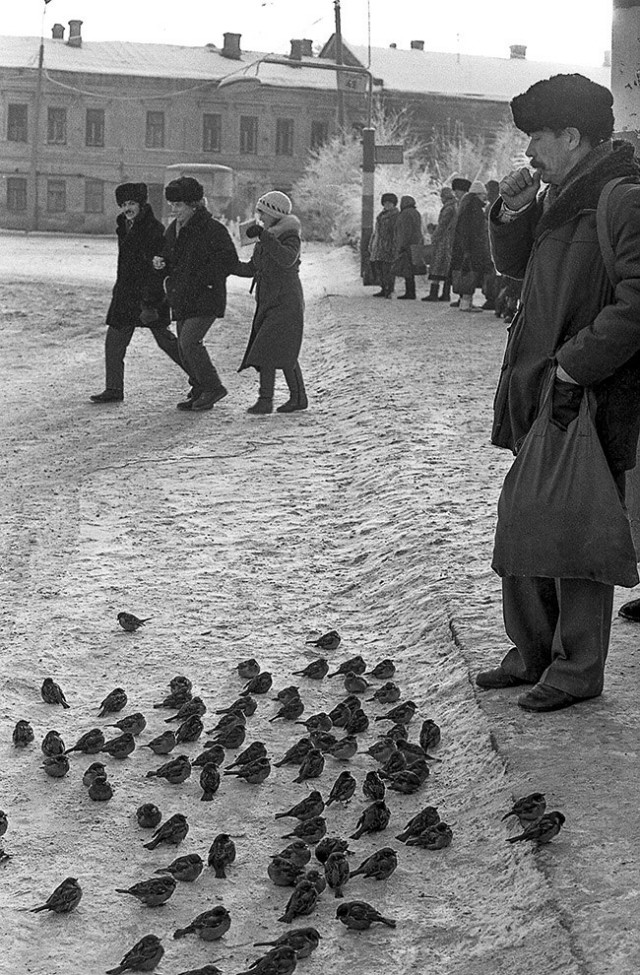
{"x": 198, "y": 258}
{"x": 569, "y": 312}
{"x": 137, "y": 284}
{"x": 276, "y": 333}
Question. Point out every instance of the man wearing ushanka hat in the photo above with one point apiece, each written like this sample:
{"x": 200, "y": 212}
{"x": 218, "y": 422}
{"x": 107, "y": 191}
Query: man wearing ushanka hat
{"x": 576, "y": 333}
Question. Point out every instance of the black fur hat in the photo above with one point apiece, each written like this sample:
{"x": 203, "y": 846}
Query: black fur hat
{"x": 566, "y": 101}
{"x": 186, "y": 189}
{"x": 131, "y": 191}
{"x": 461, "y": 183}
{"x": 389, "y": 198}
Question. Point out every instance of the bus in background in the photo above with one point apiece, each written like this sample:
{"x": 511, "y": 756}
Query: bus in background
{"x": 217, "y": 181}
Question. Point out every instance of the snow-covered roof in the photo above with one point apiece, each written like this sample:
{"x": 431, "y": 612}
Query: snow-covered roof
{"x": 466, "y": 75}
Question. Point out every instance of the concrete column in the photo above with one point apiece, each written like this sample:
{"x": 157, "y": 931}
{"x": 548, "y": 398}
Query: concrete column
{"x": 368, "y": 189}
{"x": 625, "y": 68}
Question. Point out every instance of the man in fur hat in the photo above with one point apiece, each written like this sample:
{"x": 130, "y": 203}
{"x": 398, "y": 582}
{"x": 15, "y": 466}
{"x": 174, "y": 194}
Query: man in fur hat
{"x": 571, "y": 320}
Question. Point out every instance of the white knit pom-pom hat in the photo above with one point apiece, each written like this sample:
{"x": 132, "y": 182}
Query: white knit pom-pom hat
{"x": 275, "y": 203}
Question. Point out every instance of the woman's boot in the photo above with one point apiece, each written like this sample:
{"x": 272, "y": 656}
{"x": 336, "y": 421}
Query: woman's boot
{"x": 297, "y": 393}
{"x": 433, "y": 292}
{"x": 264, "y": 403}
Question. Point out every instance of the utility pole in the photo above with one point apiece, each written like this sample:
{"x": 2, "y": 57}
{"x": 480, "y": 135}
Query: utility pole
{"x": 35, "y": 145}
{"x": 625, "y": 69}
{"x": 338, "y": 32}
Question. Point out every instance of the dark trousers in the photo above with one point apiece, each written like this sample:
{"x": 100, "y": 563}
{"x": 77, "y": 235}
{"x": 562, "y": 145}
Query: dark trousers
{"x": 387, "y": 277}
{"x": 116, "y": 344}
{"x": 203, "y": 375}
{"x": 293, "y": 378}
{"x": 410, "y": 286}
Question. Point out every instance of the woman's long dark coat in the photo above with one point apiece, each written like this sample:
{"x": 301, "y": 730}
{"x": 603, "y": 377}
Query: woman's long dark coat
{"x": 137, "y": 284}
{"x": 276, "y": 333}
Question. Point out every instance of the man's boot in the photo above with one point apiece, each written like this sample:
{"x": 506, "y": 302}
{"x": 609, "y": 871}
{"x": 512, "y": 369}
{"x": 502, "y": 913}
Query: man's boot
{"x": 433, "y": 292}
{"x": 409, "y": 290}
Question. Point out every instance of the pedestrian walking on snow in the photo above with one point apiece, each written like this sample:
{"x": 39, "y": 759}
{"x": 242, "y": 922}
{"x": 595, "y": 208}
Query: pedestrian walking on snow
{"x": 408, "y": 235}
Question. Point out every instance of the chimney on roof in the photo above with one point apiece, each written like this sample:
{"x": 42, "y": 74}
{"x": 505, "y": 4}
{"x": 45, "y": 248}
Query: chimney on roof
{"x": 518, "y": 52}
{"x": 417, "y": 45}
{"x": 606, "y": 63}
{"x": 75, "y": 34}
{"x": 394, "y": 45}
{"x": 57, "y": 32}
{"x": 231, "y": 47}
{"x": 295, "y": 53}
{"x": 307, "y": 47}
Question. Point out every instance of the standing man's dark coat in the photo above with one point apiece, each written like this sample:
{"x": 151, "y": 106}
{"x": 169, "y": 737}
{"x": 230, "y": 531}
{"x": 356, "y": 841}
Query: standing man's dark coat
{"x": 198, "y": 260}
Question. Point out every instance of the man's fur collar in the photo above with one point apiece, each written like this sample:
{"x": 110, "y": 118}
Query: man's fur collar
{"x": 604, "y": 163}
{"x": 286, "y": 225}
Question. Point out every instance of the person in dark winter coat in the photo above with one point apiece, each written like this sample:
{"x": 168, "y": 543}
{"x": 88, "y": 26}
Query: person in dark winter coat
{"x": 470, "y": 254}
{"x": 138, "y": 299}
{"x": 442, "y": 241}
{"x": 408, "y": 234}
{"x": 382, "y": 246}
{"x": 571, "y": 320}
{"x": 197, "y": 256}
{"x": 276, "y": 333}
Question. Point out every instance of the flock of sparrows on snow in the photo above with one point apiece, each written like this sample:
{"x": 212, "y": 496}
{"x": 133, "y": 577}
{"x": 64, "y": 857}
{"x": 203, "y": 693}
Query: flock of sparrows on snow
{"x": 402, "y": 766}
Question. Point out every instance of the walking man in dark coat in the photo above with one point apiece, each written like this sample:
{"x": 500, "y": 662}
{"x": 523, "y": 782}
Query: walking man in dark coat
{"x": 138, "y": 299}
{"x": 571, "y": 320}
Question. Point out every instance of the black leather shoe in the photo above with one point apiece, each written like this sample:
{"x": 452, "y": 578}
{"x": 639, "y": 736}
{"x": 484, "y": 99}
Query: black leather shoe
{"x": 206, "y": 401}
{"x": 542, "y": 697}
{"x": 497, "y": 679}
{"x": 262, "y": 407}
{"x": 630, "y": 610}
{"x": 292, "y": 406}
{"x": 109, "y": 396}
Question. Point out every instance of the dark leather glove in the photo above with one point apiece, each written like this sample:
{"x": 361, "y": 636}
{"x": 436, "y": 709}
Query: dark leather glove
{"x": 254, "y": 230}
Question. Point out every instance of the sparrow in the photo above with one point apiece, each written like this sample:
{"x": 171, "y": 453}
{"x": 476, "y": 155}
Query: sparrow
{"x": 541, "y": 831}
{"x": 172, "y": 831}
{"x": 22, "y": 734}
{"x": 373, "y": 819}
{"x": 186, "y": 869}
{"x": 194, "y": 706}
{"x": 131, "y": 623}
{"x": 64, "y": 899}
{"x": 311, "y": 767}
{"x": 359, "y": 916}
{"x": 260, "y": 684}
{"x": 209, "y": 781}
{"x": 433, "y": 837}
{"x": 151, "y": 893}
{"x": 357, "y": 723}
{"x": 328, "y": 641}
{"x": 205, "y": 970}
{"x": 247, "y": 705}
{"x": 248, "y": 669}
{"x": 256, "y": 749}
{"x": 115, "y": 701}
{"x": 380, "y": 865}
{"x": 316, "y": 670}
{"x": 355, "y": 683}
{"x": 317, "y": 722}
{"x": 190, "y": 730}
{"x": 287, "y": 693}
{"x": 297, "y": 852}
{"x": 405, "y": 781}
{"x": 373, "y": 787}
{"x": 279, "y": 961}
{"x": 427, "y": 817}
{"x": 303, "y": 941}
{"x": 384, "y": 670}
{"x": 430, "y": 734}
{"x": 210, "y": 756}
{"x": 411, "y": 751}
{"x": 100, "y": 789}
{"x": 52, "y": 693}
{"x": 52, "y": 744}
{"x": 317, "y": 879}
{"x": 419, "y": 768}
{"x": 401, "y": 714}
{"x": 302, "y": 901}
{"x": 355, "y": 665}
{"x": 397, "y": 731}
{"x": 389, "y": 693}
{"x": 148, "y": 815}
{"x": 180, "y": 681}
{"x": 4, "y": 822}
{"x": 176, "y": 771}
{"x": 312, "y": 805}
{"x": 254, "y": 772}
{"x": 143, "y": 957}
{"x": 121, "y": 746}
{"x": 162, "y": 744}
{"x": 336, "y": 871}
{"x": 210, "y": 925}
{"x": 345, "y": 748}
{"x": 284, "y": 873}
{"x": 228, "y": 721}
{"x": 396, "y": 762}
{"x": 329, "y": 845}
{"x": 230, "y": 737}
{"x": 176, "y": 698}
{"x": 296, "y": 754}
{"x": 340, "y": 715}
{"x": 94, "y": 771}
{"x": 290, "y": 710}
{"x": 56, "y": 766}
{"x": 528, "y": 809}
{"x": 324, "y": 741}
{"x": 222, "y": 853}
{"x": 309, "y": 830}
{"x": 133, "y": 723}
{"x": 382, "y": 749}
{"x": 342, "y": 789}
{"x": 90, "y": 743}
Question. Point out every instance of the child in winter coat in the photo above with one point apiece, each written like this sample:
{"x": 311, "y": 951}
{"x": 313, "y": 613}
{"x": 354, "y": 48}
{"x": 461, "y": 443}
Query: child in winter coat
{"x": 276, "y": 333}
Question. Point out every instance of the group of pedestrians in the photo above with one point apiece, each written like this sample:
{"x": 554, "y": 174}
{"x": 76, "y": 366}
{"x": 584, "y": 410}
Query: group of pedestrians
{"x": 392, "y": 248}
{"x": 180, "y": 275}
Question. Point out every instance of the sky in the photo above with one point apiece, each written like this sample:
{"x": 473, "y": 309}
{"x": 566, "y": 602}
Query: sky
{"x": 567, "y": 31}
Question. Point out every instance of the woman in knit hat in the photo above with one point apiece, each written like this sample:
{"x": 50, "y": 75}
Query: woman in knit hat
{"x": 138, "y": 299}
{"x": 197, "y": 256}
{"x": 276, "y": 333}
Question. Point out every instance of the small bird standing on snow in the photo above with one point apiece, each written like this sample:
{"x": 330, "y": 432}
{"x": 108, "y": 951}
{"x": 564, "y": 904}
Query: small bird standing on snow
{"x": 248, "y": 669}
{"x": 176, "y": 771}
{"x": 311, "y": 767}
{"x": 64, "y": 899}
{"x": 56, "y": 766}
{"x": 389, "y": 693}
{"x": 209, "y": 781}
{"x": 342, "y": 789}
{"x": 374, "y": 819}
{"x": 90, "y": 743}
{"x": 257, "y": 749}
{"x": 401, "y": 714}
{"x": 52, "y": 744}
{"x": 302, "y": 901}
{"x": 316, "y": 670}
{"x": 210, "y": 925}
{"x": 222, "y": 853}
{"x": 380, "y": 865}
{"x": 296, "y": 754}
{"x": 115, "y": 701}
{"x": 131, "y": 623}
{"x": 430, "y": 734}
{"x": 133, "y": 723}
{"x": 427, "y": 817}
{"x": 253, "y": 772}
{"x": 143, "y": 957}
{"x": 359, "y": 916}
{"x": 328, "y": 641}
{"x": 312, "y": 805}
{"x": 94, "y": 771}
{"x": 528, "y": 809}
{"x": 433, "y": 837}
{"x": 543, "y": 830}
{"x": 384, "y": 670}
{"x": 354, "y": 665}
{"x": 303, "y": 941}
{"x": 148, "y": 815}
{"x": 172, "y": 831}
{"x": 120, "y": 747}
{"x": 186, "y": 869}
{"x": 194, "y": 705}
{"x": 162, "y": 744}
{"x": 336, "y": 870}
{"x": 151, "y": 893}
{"x": 22, "y": 734}
{"x": 373, "y": 787}
{"x": 52, "y": 693}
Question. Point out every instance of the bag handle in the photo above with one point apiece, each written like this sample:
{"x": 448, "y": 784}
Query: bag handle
{"x": 602, "y": 226}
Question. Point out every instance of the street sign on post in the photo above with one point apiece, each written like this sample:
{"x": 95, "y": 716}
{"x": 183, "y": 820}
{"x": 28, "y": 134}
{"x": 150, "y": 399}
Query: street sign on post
{"x": 351, "y": 82}
{"x": 389, "y": 155}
